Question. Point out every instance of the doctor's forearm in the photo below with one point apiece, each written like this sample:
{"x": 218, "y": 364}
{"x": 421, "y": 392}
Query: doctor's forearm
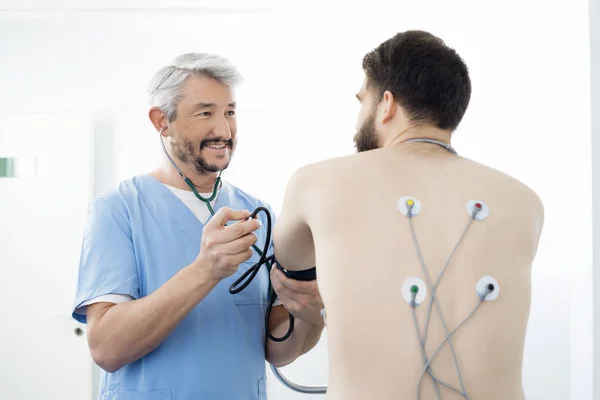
{"x": 121, "y": 334}
{"x": 304, "y": 337}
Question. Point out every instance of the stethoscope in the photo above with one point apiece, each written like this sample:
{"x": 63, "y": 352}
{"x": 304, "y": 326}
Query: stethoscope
{"x": 251, "y": 273}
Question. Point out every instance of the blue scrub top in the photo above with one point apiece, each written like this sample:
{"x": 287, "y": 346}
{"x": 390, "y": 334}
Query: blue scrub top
{"x": 138, "y": 237}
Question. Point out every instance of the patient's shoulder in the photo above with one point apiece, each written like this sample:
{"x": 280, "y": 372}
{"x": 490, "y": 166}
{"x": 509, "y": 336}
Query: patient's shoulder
{"x": 512, "y": 183}
{"x": 329, "y": 167}
{"x": 319, "y": 169}
{"x": 334, "y": 173}
{"x": 513, "y": 189}
{"x": 315, "y": 179}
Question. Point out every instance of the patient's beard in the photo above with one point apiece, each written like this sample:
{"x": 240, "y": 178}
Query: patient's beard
{"x": 366, "y": 137}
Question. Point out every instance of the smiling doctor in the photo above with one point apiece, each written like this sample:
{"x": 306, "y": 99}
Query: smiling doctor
{"x": 156, "y": 265}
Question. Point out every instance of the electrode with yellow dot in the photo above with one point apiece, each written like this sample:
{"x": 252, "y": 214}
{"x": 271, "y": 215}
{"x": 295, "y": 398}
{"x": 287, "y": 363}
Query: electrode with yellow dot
{"x": 409, "y": 206}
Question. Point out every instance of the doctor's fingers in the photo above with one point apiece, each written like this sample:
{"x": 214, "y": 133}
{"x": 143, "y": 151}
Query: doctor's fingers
{"x": 237, "y": 230}
{"x": 224, "y": 215}
{"x": 291, "y": 305}
{"x": 296, "y": 302}
{"x": 239, "y": 258}
{"x": 238, "y": 245}
{"x": 282, "y": 282}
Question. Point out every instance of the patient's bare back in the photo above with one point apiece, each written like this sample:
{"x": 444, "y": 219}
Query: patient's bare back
{"x": 424, "y": 265}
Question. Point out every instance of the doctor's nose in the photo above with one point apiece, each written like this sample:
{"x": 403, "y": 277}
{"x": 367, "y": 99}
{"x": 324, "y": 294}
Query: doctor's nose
{"x": 222, "y": 129}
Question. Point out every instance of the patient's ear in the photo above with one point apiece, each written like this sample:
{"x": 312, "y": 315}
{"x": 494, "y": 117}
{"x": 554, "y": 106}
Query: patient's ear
{"x": 389, "y": 106}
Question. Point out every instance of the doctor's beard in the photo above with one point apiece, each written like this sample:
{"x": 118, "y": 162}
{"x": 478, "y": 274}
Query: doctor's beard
{"x": 185, "y": 151}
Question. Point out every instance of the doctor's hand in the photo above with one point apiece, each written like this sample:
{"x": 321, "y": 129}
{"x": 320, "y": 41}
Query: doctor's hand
{"x": 300, "y": 298}
{"x": 224, "y": 248}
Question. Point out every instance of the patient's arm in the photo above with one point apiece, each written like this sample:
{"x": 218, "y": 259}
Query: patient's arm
{"x": 294, "y": 249}
{"x": 292, "y": 238}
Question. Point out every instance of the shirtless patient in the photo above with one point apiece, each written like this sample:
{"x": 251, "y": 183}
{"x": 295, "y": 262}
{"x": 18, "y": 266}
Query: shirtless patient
{"x": 351, "y": 217}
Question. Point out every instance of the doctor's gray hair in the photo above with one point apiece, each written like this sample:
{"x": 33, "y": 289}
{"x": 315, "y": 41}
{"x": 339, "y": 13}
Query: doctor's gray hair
{"x": 165, "y": 87}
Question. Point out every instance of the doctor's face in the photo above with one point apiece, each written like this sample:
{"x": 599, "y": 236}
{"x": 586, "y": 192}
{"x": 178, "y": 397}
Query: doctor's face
{"x": 203, "y": 132}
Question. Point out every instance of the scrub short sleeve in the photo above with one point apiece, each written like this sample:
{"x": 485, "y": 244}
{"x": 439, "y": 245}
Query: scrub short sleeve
{"x": 107, "y": 263}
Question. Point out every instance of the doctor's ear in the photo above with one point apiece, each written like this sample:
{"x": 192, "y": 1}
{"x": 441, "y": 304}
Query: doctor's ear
{"x": 159, "y": 120}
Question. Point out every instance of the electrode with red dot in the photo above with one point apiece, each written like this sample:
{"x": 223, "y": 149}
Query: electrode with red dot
{"x": 478, "y": 210}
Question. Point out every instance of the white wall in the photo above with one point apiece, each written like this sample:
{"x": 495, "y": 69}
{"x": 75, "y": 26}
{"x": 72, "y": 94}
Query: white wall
{"x": 529, "y": 116}
{"x": 595, "y": 108}
{"x": 41, "y": 220}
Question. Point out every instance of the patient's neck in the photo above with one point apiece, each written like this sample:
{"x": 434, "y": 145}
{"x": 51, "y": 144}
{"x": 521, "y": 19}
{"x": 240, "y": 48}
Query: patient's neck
{"x": 419, "y": 132}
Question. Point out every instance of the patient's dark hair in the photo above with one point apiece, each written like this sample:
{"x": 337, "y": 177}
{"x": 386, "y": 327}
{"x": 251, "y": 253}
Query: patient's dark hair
{"x": 427, "y": 78}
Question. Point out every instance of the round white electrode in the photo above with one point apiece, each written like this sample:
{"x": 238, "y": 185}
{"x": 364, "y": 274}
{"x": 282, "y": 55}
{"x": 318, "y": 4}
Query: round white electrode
{"x": 407, "y": 290}
{"x": 403, "y": 205}
{"x": 483, "y": 212}
{"x": 324, "y": 316}
{"x": 485, "y": 285}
